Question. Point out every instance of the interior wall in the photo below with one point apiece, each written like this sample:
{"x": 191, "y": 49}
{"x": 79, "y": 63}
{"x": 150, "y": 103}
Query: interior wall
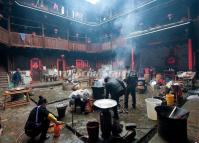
{"x": 155, "y": 56}
{"x": 3, "y": 60}
{"x": 22, "y": 57}
{"x": 195, "y": 37}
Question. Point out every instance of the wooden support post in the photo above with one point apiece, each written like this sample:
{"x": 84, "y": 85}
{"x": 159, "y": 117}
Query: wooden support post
{"x": 43, "y": 35}
{"x": 68, "y": 39}
{"x": 190, "y": 55}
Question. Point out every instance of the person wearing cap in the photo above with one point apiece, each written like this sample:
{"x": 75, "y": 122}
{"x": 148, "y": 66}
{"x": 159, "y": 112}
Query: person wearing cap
{"x": 39, "y": 120}
{"x": 115, "y": 89}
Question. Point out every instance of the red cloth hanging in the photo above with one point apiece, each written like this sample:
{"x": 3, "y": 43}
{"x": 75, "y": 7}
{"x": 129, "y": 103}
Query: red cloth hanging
{"x": 190, "y": 55}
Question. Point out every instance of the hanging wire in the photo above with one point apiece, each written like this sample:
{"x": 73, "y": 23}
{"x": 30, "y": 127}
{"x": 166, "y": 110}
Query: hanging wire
{"x": 25, "y": 26}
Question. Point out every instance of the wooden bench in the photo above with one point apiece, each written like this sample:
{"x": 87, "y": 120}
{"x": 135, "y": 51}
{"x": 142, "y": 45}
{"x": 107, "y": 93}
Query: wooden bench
{"x": 81, "y": 81}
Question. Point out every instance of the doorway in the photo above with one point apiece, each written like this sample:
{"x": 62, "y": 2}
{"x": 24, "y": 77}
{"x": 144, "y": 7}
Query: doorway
{"x": 61, "y": 67}
{"x": 35, "y": 69}
{"x": 3, "y": 62}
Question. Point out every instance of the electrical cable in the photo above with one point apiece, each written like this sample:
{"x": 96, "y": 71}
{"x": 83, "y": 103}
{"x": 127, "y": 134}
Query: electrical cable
{"x": 143, "y": 128}
{"x": 28, "y": 26}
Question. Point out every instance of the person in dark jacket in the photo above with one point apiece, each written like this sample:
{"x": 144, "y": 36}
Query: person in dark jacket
{"x": 131, "y": 81}
{"x": 39, "y": 120}
{"x": 16, "y": 78}
{"x": 115, "y": 89}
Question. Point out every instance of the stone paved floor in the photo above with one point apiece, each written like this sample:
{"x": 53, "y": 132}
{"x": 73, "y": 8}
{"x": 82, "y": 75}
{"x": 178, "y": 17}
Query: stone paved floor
{"x": 50, "y": 93}
{"x": 13, "y": 119}
{"x": 193, "y": 121}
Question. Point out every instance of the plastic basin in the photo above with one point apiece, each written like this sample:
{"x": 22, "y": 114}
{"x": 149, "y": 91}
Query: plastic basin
{"x": 151, "y": 103}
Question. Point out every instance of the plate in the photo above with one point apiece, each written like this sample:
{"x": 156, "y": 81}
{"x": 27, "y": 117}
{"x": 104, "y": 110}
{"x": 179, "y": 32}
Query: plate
{"x": 6, "y": 91}
{"x": 19, "y": 88}
{"x": 105, "y": 103}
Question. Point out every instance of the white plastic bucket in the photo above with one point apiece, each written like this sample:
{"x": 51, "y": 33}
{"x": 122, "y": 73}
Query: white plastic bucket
{"x": 151, "y": 103}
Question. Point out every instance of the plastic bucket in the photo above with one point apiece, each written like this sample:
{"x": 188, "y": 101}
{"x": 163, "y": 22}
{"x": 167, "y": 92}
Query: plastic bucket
{"x": 93, "y": 131}
{"x": 98, "y": 92}
{"x": 57, "y": 130}
{"x": 61, "y": 109}
{"x": 151, "y": 103}
{"x": 170, "y": 99}
{"x": 174, "y": 129}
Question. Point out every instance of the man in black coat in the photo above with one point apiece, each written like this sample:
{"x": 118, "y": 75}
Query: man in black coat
{"x": 115, "y": 88}
{"x": 131, "y": 81}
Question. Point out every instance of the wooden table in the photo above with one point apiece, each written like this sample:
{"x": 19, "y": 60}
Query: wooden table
{"x": 10, "y": 93}
{"x": 188, "y": 80}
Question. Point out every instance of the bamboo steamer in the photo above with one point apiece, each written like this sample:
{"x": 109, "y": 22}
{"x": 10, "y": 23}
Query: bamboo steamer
{"x": 170, "y": 99}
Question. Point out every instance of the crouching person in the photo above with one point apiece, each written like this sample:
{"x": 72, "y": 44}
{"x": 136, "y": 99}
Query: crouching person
{"x": 39, "y": 120}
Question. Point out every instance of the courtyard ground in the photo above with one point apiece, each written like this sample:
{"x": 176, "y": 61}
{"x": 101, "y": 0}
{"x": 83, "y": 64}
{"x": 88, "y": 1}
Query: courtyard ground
{"x": 13, "y": 119}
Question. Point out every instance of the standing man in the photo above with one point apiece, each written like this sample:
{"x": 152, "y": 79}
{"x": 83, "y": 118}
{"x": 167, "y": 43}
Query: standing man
{"x": 115, "y": 89}
{"x": 131, "y": 81}
{"x": 16, "y": 78}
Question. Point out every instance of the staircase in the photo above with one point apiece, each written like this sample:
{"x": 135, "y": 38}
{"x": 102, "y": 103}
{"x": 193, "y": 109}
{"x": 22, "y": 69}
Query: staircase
{"x": 3, "y": 80}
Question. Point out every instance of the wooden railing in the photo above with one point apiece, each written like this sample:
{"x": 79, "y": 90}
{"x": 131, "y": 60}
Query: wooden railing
{"x": 4, "y": 36}
{"x": 94, "y": 48}
{"x": 35, "y": 41}
{"x": 56, "y": 43}
{"x": 118, "y": 43}
{"x": 75, "y": 46}
{"x": 26, "y": 40}
{"x": 106, "y": 46}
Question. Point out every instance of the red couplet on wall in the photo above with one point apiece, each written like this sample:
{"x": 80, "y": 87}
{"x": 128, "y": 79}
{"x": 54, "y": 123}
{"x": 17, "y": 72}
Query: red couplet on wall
{"x": 190, "y": 55}
{"x": 81, "y": 63}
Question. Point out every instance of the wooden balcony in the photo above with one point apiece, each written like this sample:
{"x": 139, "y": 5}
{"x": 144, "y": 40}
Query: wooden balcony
{"x": 106, "y": 46}
{"x": 94, "y": 48}
{"x": 56, "y": 43}
{"x": 26, "y": 40}
{"x": 74, "y": 46}
{"x": 34, "y": 41}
